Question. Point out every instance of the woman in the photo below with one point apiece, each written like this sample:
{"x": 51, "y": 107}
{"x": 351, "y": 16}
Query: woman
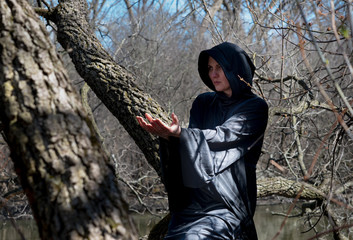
{"x": 210, "y": 167}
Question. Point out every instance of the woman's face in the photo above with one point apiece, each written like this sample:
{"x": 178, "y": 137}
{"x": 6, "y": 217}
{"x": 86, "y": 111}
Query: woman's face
{"x": 219, "y": 80}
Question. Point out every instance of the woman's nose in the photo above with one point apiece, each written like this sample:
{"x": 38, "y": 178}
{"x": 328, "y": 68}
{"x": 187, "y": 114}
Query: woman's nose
{"x": 213, "y": 74}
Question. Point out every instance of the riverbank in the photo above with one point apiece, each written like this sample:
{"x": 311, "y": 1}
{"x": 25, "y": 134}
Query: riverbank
{"x": 268, "y": 224}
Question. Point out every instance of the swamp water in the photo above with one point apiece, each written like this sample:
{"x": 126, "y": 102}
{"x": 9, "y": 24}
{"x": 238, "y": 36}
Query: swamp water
{"x": 267, "y": 226}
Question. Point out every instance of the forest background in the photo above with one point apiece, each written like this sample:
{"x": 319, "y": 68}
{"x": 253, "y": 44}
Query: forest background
{"x": 68, "y": 105}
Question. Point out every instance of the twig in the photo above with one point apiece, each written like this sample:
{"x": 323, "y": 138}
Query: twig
{"x": 335, "y": 229}
{"x": 328, "y": 69}
{"x": 213, "y": 23}
{"x": 334, "y": 28}
{"x": 248, "y": 84}
{"x": 137, "y": 195}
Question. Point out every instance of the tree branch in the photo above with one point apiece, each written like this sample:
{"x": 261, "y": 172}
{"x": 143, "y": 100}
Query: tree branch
{"x": 112, "y": 83}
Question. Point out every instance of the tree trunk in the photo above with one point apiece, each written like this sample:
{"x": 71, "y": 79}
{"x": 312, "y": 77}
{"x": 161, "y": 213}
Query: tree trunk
{"x": 113, "y": 84}
{"x": 69, "y": 181}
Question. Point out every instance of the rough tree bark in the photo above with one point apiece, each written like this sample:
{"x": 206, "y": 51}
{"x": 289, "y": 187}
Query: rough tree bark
{"x": 69, "y": 181}
{"x": 113, "y": 84}
{"x": 279, "y": 186}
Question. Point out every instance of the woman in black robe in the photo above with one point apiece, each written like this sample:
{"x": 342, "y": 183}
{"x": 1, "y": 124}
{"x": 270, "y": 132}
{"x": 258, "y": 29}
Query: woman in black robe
{"x": 209, "y": 168}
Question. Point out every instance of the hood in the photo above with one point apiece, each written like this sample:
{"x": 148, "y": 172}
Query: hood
{"x": 234, "y": 62}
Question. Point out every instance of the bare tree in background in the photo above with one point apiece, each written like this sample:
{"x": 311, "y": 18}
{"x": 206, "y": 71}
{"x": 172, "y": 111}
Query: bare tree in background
{"x": 305, "y": 76}
{"x": 302, "y": 52}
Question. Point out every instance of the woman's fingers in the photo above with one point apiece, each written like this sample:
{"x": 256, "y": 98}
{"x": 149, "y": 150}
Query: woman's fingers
{"x": 157, "y": 124}
{"x": 159, "y": 128}
{"x": 140, "y": 121}
{"x": 175, "y": 119}
{"x": 147, "y": 126}
{"x": 144, "y": 124}
{"x": 149, "y": 118}
{"x": 175, "y": 127}
{"x": 161, "y": 125}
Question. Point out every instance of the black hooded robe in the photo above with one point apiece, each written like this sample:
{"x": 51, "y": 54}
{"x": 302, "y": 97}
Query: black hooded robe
{"x": 210, "y": 171}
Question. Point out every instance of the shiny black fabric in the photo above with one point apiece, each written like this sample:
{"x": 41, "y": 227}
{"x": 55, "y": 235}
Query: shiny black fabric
{"x": 209, "y": 172}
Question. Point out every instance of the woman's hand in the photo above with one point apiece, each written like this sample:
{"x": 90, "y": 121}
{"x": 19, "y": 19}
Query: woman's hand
{"x": 159, "y": 128}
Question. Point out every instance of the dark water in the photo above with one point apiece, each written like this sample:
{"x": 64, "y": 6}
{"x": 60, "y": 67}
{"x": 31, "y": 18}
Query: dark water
{"x": 267, "y": 226}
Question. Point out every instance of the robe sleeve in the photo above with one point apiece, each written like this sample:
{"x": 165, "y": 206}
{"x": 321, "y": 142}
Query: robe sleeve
{"x": 178, "y": 194}
{"x": 206, "y": 153}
